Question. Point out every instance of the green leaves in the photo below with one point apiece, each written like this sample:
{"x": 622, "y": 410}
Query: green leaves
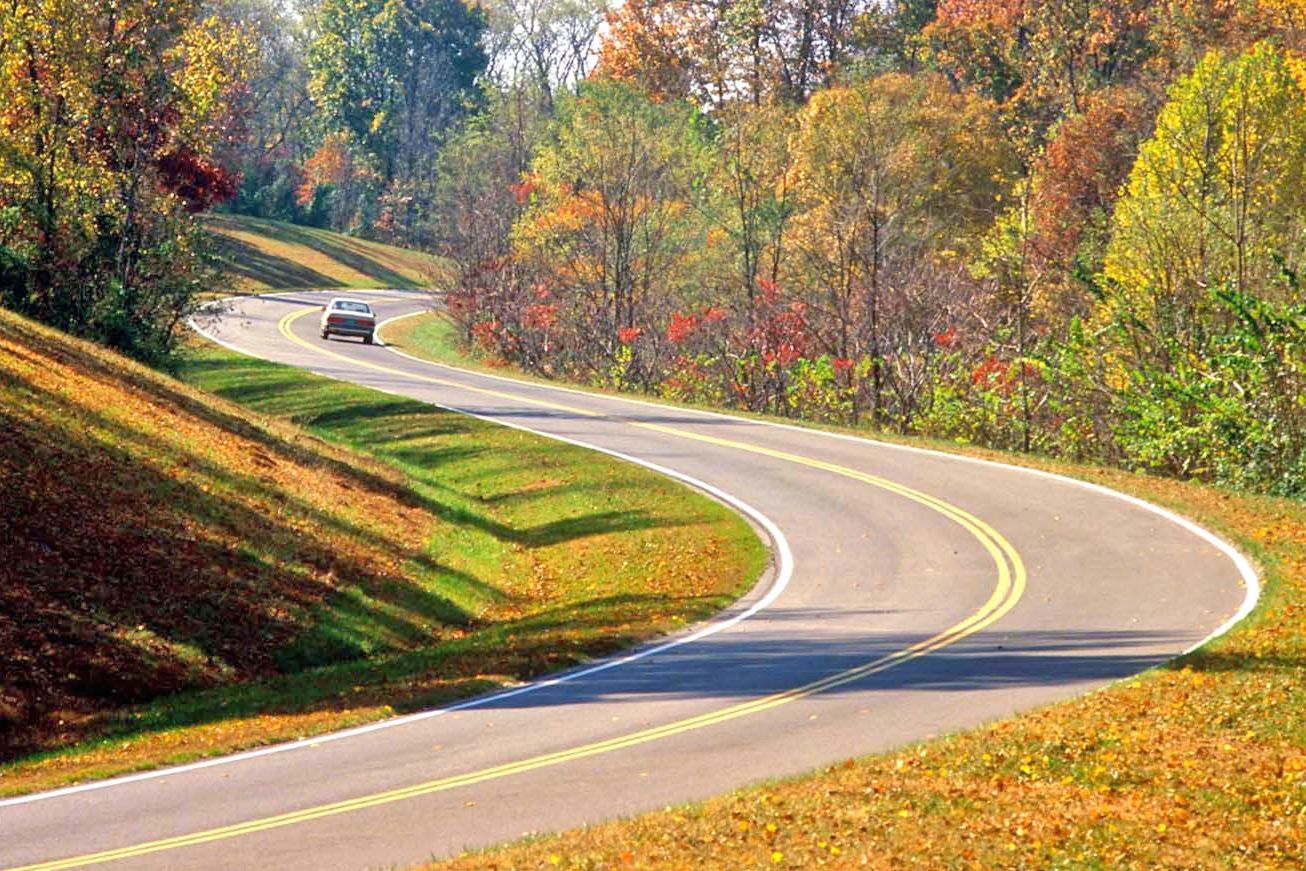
{"x": 396, "y": 73}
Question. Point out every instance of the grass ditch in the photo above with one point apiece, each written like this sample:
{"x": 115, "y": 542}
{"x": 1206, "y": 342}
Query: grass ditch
{"x": 189, "y": 574}
{"x": 1197, "y": 764}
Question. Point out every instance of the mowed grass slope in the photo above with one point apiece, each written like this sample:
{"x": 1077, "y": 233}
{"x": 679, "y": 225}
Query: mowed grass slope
{"x": 186, "y": 575}
{"x": 258, "y": 255}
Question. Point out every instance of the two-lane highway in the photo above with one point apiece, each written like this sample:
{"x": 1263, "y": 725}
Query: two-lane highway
{"x": 912, "y": 593}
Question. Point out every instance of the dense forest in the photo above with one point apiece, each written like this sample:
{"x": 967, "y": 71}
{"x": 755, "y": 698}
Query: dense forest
{"x": 1074, "y": 227}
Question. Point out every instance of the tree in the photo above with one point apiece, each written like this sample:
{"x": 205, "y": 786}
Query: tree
{"x": 277, "y": 112}
{"x": 481, "y": 195}
{"x": 115, "y": 119}
{"x": 714, "y": 52}
{"x": 1218, "y": 194}
{"x": 542, "y": 45}
{"x": 610, "y": 224}
{"x": 397, "y": 75}
{"x": 894, "y": 176}
{"x": 1041, "y": 59}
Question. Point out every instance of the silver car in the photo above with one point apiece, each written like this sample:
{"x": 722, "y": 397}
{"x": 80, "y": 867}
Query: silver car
{"x": 348, "y": 317}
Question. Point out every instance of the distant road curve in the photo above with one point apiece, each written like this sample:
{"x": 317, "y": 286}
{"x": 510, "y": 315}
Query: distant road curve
{"x": 913, "y": 593}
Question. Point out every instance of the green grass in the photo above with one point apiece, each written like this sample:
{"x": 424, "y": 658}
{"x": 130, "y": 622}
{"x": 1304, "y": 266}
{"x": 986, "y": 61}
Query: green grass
{"x": 339, "y": 555}
{"x": 258, "y": 255}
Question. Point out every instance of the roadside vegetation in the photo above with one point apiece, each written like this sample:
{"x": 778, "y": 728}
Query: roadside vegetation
{"x": 1199, "y": 764}
{"x": 188, "y": 575}
{"x": 955, "y": 245}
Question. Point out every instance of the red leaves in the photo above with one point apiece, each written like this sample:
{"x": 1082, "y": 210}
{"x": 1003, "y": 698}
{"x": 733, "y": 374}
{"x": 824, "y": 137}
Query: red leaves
{"x": 628, "y": 335}
{"x": 1003, "y": 375}
{"x": 524, "y": 190}
{"x": 989, "y": 371}
{"x": 201, "y": 183}
{"x": 1084, "y": 167}
{"x": 682, "y": 327}
{"x": 946, "y": 339}
{"x": 485, "y": 335}
{"x": 539, "y": 317}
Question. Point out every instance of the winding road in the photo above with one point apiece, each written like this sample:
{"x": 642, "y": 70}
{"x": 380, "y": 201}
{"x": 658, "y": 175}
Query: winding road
{"x": 911, "y": 594}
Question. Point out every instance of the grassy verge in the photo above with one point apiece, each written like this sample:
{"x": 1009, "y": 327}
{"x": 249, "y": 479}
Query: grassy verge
{"x": 259, "y": 255}
{"x": 192, "y": 575}
{"x": 1198, "y": 764}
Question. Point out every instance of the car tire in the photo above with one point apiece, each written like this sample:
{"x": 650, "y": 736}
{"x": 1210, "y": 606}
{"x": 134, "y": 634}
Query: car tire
{"x": 326, "y": 334}
{"x": 367, "y": 340}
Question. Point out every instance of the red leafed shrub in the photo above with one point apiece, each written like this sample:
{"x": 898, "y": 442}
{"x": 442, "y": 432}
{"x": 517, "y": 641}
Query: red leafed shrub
{"x": 486, "y": 335}
{"x": 946, "y": 339}
{"x": 199, "y": 182}
{"x": 989, "y": 372}
{"x": 523, "y": 190}
{"x": 539, "y": 317}
{"x": 682, "y": 326}
{"x": 628, "y": 335}
{"x": 782, "y": 337}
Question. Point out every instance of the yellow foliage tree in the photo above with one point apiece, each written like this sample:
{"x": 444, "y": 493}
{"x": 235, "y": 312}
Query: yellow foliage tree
{"x": 893, "y": 177}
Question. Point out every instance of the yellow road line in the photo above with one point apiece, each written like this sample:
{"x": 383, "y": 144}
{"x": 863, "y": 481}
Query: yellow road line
{"x": 1011, "y": 583}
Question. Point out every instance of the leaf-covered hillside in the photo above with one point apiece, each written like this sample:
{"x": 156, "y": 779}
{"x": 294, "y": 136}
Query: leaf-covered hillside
{"x": 183, "y": 575}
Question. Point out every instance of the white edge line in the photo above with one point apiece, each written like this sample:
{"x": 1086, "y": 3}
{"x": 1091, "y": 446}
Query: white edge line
{"x": 784, "y": 566}
{"x": 1246, "y": 571}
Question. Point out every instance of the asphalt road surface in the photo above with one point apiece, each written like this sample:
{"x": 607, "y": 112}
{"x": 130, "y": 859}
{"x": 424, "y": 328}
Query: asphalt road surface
{"x": 911, "y": 594}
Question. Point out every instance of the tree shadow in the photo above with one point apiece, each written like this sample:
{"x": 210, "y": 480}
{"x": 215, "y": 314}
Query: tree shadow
{"x": 352, "y": 253}
{"x": 243, "y": 260}
{"x": 414, "y": 680}
{"x": 413, "y": 422}
{"x": 739, "y": 665}
{"x": 1220, "y": 663}
{"x": 127, "y": 583}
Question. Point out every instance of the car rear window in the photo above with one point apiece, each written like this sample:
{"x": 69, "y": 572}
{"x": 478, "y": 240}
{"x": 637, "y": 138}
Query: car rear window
{"x": 360, "y": 307}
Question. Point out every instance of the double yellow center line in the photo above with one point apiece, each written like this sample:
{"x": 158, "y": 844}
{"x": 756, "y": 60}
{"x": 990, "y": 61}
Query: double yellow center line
{"x": 1006, "y": 593}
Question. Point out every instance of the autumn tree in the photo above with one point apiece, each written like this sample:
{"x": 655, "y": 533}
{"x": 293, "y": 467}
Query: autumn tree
{"x": 1218, "y": 194}
{"x": 1042, "y": 58}
{"x": 610, "y": 225}
{"x": 716, "y": 52}
{"x": 277, "y": 113}
{"x": 115, "y": 117}
{"x": 396, "y": 75}
{"x": 484, "y": 190}
{"x": 895, "y": 175}
{"x": 542, "y": 46}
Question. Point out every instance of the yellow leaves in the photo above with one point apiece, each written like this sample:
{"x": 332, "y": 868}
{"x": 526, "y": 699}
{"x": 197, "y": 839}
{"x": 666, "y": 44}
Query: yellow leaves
{"x": 211, "y": 58}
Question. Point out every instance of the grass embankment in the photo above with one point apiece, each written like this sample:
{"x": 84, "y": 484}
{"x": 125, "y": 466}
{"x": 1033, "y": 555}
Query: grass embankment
{"x": 1198, "y": 764}
{"x": 432, "y": 336}
{"x": 186, "y": 576}
{"x": 258, "y": 256}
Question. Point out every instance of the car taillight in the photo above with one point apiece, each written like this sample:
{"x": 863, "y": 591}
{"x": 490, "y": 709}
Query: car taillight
{"x": 336, "y": 319}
